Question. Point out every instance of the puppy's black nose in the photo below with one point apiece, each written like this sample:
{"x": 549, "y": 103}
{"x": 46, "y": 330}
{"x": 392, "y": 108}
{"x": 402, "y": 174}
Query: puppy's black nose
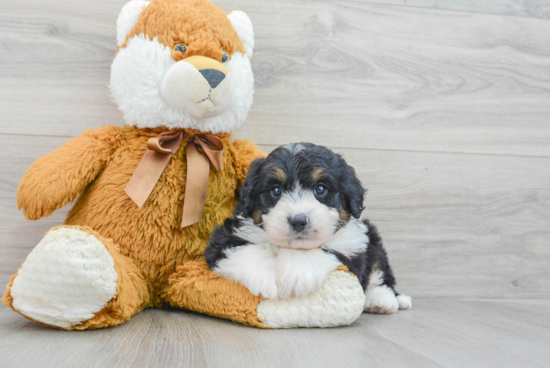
{"x": 298, "y": 222}
{"x": 213, "y": 76}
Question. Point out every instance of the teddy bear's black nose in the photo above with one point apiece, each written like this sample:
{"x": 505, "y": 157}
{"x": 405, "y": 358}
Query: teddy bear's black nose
{"x": 298, "y": 222}
{"x": 213, "y": 76}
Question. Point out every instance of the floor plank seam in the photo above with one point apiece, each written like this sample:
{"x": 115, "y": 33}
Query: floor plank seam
{"x": 330, "y": 146}
{"x": 418, "y": 151}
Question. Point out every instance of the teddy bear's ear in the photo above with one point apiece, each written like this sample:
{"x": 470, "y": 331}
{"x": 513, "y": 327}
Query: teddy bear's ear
{"x": 127, "y": 19}
{"x": 242, "y": 24}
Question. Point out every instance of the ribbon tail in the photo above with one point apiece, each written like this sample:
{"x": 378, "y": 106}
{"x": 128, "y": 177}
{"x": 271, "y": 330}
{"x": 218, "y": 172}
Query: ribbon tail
{"x": 198, "y": 171}
{"x": 151, "y": 166}
{"x": 146, "y": 176}
{"x": 213, "y": 148}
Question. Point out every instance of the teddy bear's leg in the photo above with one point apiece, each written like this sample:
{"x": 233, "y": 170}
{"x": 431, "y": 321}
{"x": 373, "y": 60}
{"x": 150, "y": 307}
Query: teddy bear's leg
{"x": 338, "y": 302}
{"x": 77, "y": 279}
{"x": 195, "y": 287}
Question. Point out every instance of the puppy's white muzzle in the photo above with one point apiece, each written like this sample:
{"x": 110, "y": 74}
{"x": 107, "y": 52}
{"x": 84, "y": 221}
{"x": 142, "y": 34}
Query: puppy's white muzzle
{"x": 198, "y": 86}
{"x": 316, "y": 221}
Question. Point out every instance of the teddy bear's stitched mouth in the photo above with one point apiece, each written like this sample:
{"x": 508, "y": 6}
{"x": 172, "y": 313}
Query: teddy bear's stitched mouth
{"x": 208, "y": 98}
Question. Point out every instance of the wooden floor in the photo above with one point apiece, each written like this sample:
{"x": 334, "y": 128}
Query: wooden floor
{"x": 436, "y": 333}
{"x": 443, "y": 107}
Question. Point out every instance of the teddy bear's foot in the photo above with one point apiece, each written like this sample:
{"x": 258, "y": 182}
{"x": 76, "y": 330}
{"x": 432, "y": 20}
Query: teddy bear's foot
{"x": 339, "y": 302}
{"x": 70, "y": 279}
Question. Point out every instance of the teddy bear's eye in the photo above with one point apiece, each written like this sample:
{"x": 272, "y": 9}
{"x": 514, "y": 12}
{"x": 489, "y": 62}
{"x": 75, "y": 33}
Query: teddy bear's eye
{"x": 180, "y": 47}
{"x": 225, "y": 58}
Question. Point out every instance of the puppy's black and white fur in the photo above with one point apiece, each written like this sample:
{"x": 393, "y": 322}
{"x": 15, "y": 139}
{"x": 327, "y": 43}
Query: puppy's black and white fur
{"x": 299, "y": 218}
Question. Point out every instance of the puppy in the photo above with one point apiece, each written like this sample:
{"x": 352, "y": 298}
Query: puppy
{"x": 299, "y": 218}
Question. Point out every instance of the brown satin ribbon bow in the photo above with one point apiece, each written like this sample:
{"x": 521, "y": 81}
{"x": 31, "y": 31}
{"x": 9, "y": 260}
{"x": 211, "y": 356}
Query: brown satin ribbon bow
{"x": 201, "y": 150}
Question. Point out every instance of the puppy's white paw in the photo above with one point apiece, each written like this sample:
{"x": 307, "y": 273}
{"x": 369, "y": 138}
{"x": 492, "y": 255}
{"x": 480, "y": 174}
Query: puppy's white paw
{"x": 264, "y": 286}
{"x": 299, "y": 282}
{"x": 253, "y": 266}
{"x": 405, "y": 301}
{"x": 382, "y": 300}
{"x": 300, "y": 272}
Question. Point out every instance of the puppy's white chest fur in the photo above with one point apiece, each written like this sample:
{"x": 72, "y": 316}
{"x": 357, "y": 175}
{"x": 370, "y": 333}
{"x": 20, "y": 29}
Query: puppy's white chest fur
{"x": 350, "y": 240}
{"x": 310, "y": 202}
{"x": 274, "y": 272}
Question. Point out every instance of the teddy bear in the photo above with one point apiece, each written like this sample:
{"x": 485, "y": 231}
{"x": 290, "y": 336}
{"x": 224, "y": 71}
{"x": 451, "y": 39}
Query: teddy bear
{"x": 149, "y": 194}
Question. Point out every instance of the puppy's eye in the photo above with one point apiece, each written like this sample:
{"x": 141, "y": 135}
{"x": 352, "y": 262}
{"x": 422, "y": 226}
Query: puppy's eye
{"x": 277, "y": 192}
{"x": 320, "y": 190}
{"x": 225, "y": 58}
{"x": 180, "y": 47}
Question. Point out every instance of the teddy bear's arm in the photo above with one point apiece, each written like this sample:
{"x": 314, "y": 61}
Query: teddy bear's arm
{"x": 60, "y": 176}
{"x": 246, "y": 152}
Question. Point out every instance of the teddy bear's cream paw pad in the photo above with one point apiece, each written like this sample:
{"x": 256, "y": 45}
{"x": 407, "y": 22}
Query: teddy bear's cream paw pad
{"x": 339, "y": 302}
{"x": 68, "y": 277}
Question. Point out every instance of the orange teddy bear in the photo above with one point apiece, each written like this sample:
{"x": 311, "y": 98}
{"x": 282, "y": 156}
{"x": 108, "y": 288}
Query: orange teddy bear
{"x": 149, "y": 194}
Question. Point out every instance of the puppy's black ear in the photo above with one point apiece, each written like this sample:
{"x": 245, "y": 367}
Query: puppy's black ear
{"x": 249, "y": 190}
{"x": 353, "y": 191}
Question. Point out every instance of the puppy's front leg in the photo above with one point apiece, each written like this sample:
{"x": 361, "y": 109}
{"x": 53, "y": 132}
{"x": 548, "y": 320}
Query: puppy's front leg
{"x": 239, "y": 251}
{"x": 253, "y": 266}
{"x": 299, "y": 272}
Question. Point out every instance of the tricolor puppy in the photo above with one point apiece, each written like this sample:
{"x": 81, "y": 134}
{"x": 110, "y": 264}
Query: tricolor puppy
{"x": 299, "y": 218}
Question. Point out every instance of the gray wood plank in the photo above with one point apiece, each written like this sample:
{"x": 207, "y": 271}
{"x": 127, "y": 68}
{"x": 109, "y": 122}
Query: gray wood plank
{"x": 389, "y": 87}
{"x": 366, "y": 76}
{"x": 455, "y": 225}
{"x": 474, "y": 333}
{"x": 435, "y": 333}
{"x": 461, "y": 225}
{"x": 523, "y": 8}
{"x": 344, "y": 74}
{"x": 17, "y": 235}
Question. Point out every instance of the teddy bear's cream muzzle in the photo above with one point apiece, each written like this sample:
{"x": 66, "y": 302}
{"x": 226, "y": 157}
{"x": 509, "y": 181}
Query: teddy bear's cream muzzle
{"x": 198, "y": 86}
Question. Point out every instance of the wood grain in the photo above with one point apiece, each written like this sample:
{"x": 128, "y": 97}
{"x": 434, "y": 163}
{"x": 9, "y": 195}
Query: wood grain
{"x": 365, "y": 76}
{"x": 18, "y": 236}
{"x": 435, "y": 333}
{"x": 455, "y": 225}
{"x": 442, "y": 106}
{"x": 523, "y": 8}
{"x": 344, "y": 74}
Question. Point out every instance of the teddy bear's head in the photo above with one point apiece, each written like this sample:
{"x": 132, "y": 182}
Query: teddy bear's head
{"x": 183, "y": 64}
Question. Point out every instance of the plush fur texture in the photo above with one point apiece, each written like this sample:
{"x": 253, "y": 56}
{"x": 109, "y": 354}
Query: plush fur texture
{"x": 201, "y": 56}
{"x": 131, "y": 291}
{"x": 194, "y": 286}
{"x": 338, "y": 302}
{"x": 128, "y": 17}
{"x": 53, "y": 284}
{"x": 298, "y": 218}
{"x": 107, "y": 239}
{"x": 96, "y": 167}
{"x": 147, "y": 58}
